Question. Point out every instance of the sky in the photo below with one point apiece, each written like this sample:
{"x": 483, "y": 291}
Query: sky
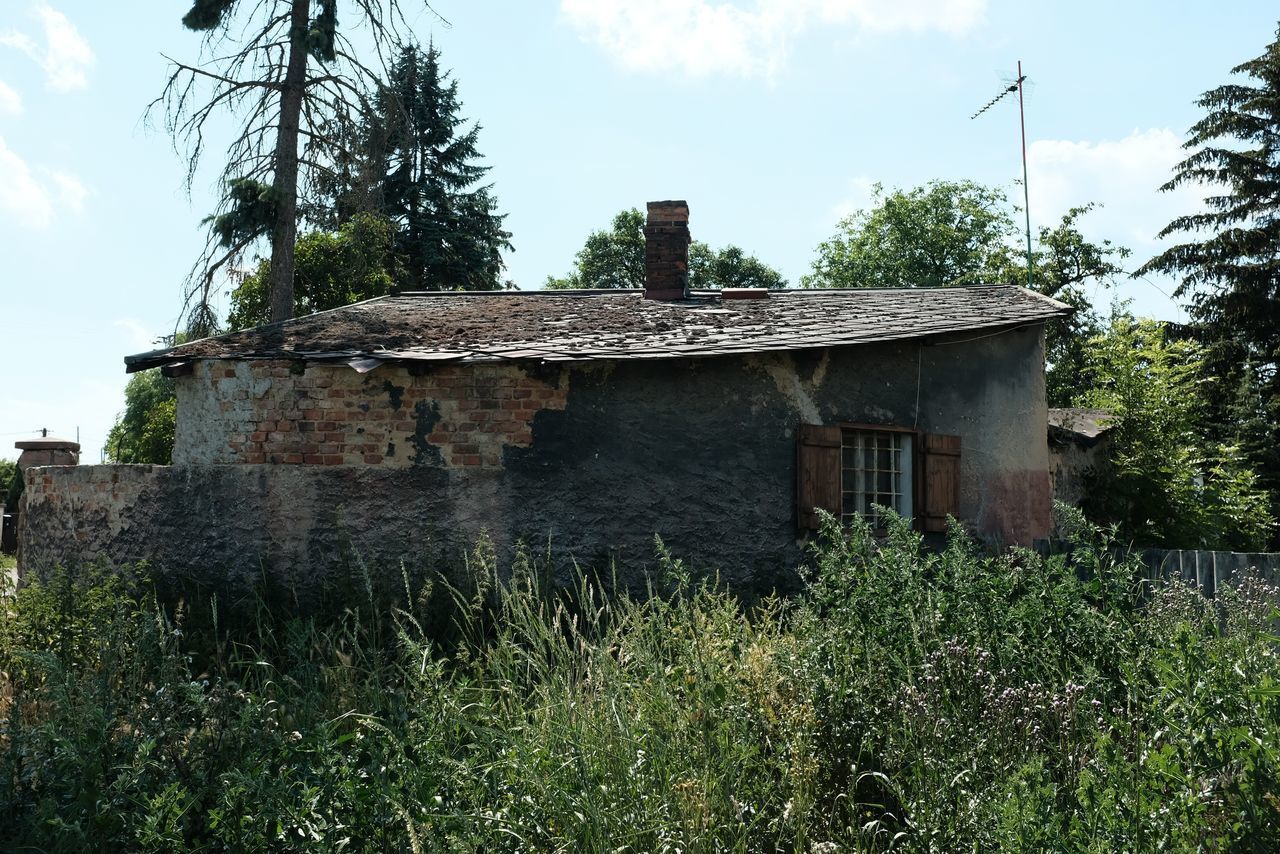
{"x": 773, "y": 118}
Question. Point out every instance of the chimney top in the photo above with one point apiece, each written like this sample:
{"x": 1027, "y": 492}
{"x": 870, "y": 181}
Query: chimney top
{"x": 666, "y": 250}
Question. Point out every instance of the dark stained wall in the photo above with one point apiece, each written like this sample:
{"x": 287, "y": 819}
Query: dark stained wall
{"x": 698, "y": 451}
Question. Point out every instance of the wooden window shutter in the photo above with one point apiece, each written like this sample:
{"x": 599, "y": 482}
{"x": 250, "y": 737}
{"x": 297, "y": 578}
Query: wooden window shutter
{"x": 817, "y": 473}
{"x": 941, "y": 481}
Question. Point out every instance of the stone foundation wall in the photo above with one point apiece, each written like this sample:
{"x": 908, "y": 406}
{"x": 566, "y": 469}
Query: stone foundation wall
{"x": 231, "y": 528}
{"x": 81, "y": 510}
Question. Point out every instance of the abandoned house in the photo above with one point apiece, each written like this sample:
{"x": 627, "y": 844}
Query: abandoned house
{"x": 581, "y": 422}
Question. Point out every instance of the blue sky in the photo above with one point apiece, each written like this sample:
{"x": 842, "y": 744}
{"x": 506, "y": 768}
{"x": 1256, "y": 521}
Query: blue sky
{"x": 773, "y": 118}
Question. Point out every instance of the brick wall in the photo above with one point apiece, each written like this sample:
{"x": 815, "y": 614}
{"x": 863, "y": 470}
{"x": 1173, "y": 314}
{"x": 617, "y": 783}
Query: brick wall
{"x": 294, "y": 413}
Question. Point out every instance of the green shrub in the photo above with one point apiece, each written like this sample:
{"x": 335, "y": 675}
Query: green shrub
{"x": 907, "y": 700}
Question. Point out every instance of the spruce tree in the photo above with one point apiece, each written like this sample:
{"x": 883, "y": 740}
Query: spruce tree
{"x": 285, "y": 70}
{"x": 415, "y": 162}
{"x": 1230, "y": 271}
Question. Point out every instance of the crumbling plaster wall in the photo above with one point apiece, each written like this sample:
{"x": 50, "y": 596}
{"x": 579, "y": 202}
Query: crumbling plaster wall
{"x": 590, "y": 460}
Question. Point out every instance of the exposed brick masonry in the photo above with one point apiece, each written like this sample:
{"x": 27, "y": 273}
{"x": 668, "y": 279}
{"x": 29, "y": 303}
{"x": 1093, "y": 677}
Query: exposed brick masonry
{"x": 666, "y": 251}
{"x": 273, "y": 411}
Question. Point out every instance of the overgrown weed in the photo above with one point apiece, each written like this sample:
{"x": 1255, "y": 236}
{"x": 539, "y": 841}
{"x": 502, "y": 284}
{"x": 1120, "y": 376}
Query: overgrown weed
{"x": 908, "y": 700}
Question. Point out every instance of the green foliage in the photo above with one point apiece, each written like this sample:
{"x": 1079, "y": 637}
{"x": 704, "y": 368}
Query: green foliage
{"x": 13, "y": 488}
{"x": 1070, "y": 269}
{"x": 251, "y": 212}
{"x": 907, "y": 700}
{"x": 614, "y": 259}
{"x": 415, "y": 163}
{"x": 729, "y": 267}
{"x": 206, "y": 14}
{"x": 1165, "y": 482}
{"x": 942, "y": 234}
{"x": 8, "y": 473}
{"x": 322, "y": 37}
{"x": 331, "y": 269}
{"x": 1229, "y": 266}
{"x": 960, "y": 233}
{"x": 144, "y": 431}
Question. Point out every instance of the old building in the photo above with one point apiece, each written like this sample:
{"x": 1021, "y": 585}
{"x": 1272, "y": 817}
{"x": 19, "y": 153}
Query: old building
{"x": 584, "y": 423}
{"x": 1078, "y": 445}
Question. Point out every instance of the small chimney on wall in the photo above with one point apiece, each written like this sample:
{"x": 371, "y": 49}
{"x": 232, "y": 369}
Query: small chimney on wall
{"x": 666, "y": 251}
{"x": 47, "y": 451}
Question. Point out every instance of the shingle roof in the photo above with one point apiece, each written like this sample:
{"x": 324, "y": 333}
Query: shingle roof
{"x": 587, "y": 325}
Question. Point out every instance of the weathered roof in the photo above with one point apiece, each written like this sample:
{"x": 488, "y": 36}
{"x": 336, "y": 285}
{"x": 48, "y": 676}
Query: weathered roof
{"x": 1079, "y": 424}
{"x": 587, "y": 325}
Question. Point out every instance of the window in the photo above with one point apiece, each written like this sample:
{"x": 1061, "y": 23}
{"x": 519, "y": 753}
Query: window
{"x": 845, "y": 469}
{"x": 875, "y": 468}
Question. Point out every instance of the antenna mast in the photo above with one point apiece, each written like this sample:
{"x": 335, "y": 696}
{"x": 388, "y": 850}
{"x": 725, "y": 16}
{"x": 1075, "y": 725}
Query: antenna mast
{"x": 1022, "y": 120}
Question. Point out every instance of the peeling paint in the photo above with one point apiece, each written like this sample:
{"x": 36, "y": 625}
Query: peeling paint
{"x": 788, "y": 383}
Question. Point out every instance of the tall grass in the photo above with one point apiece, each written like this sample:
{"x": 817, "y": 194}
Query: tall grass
{"x": 906, "y": 701}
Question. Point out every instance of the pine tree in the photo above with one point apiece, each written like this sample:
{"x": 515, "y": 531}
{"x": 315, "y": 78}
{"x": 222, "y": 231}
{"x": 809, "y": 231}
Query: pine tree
{"x": 415, "y": 162}
{"x": 1231, "y": 272}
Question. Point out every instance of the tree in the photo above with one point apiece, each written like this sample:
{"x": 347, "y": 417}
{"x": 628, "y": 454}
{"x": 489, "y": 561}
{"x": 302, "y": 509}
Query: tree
{"x": 9, "y": 483}
{"x": 144, "y": 431}
{"x": 1064, "y": 265}
{"x": 415, "y": 163}
{"x": 941, "y": 234}
{"x": 615, "y": 259}
{"x": 962, "y": 233}
{"x": 257, "y": 61}
{"x": 1230, "y": 265}
{"x": 332, "y": 269}
{"x": 13, "y": 488}
{"x": 729, "y": 267}
{"x": 1166, "y": 482}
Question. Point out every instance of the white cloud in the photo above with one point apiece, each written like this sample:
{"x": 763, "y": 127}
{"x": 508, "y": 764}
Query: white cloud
{"x": 1124, "y": 176}
{"x": 10, "y": 101}
{"x": 22, "y": 197}
{"x": 70, "y": 191}
{"x": 30, "y": 201}
{"x": 860, "y": 191}
{"x": 66, "y": 56}
{"x": 702, "y": 37}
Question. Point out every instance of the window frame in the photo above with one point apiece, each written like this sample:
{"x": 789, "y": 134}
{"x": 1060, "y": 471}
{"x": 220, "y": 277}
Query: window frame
{"x": 917, "y": 467}
{"x": 937, "y": 473}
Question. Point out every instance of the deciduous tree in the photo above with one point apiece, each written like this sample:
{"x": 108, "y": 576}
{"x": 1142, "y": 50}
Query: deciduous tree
{"x": 332, "y": 269}
{"x": 941, "y": 234}
{"x": 1166, "y": 481}
{"x": 144, "y": 431}
{"x": 615, "y": 259}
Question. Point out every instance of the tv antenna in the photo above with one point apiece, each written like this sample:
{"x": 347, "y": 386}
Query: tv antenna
{"x": 1016, "y": 86}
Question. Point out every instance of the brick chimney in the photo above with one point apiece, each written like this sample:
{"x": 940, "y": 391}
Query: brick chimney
{"x": 666, "y": 251}
{"x": 47, "y": 451}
